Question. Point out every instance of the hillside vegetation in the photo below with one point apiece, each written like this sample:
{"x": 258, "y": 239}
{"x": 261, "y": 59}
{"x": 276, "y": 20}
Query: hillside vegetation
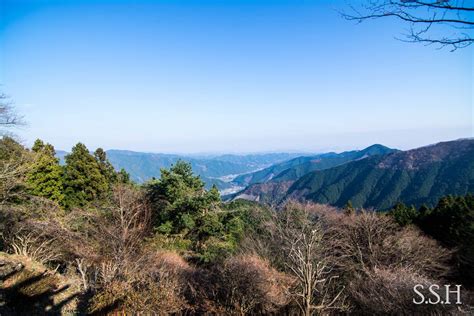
{"x": 419, "y": 176}
{"x": 375, "y": 179}
{"x": 170, "y": 246}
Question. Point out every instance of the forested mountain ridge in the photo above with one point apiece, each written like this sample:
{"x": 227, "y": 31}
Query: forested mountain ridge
{"x": 418, "y": 176}
{"x": 293, "y": 169}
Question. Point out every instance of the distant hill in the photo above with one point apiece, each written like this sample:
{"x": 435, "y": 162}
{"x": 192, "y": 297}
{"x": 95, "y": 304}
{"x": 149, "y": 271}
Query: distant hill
{"x": 418, "y": 176}
{"x": 216, "y": 169}
{"x": 295, "y": 168}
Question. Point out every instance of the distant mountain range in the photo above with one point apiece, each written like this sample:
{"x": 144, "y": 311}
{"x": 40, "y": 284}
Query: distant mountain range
{"x": 375, "y": 177}
{"x": 378, "y": 179}
{"x": 216, "y": 169}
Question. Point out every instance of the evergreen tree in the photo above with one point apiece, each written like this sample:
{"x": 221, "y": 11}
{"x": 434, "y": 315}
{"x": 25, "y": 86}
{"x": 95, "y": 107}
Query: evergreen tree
{"x": 178, "y": 196}
{"x": 186, "y": 212}
{"x": 83, "y": 179}
{"x": 451, "y": 222}
{"x": 123, "y": 177}
{"x": 45, "y": 178}
{"x": 403, "y": 214}
{"x": 106, "y": 168}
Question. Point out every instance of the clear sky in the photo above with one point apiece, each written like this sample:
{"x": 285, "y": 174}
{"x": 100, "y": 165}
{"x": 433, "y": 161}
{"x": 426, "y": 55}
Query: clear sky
{"x": 226, "y": 76}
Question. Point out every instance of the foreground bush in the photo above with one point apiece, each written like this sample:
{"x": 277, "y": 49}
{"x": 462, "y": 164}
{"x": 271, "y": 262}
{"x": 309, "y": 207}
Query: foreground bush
{"x": 250, "y": 285}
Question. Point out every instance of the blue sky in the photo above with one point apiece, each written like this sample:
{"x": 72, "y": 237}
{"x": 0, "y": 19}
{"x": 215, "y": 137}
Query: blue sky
{"x": 226, "y": 76}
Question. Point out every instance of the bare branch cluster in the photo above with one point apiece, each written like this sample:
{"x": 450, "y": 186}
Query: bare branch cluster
{"x": 444, "y": 23}
{"x": 34, "y": 246}
{"x": 8, "y": 116}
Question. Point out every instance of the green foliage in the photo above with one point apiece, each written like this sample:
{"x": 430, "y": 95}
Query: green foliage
{"x": 105, "y": 167}
{"x": 185, "y": 211}
{"x": 403, "y": 214}
{"x": 451, "y": 221}
{"x": 179, "y": 197}
{"x": 123, "y": 177}
{"x": 83, "y": 179}
{"x": 415, "y": 178}
{"x": 45, "y": 177}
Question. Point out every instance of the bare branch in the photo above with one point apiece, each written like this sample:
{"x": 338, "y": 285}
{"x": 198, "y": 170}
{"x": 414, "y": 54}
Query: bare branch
{"x": 421, "y": 16}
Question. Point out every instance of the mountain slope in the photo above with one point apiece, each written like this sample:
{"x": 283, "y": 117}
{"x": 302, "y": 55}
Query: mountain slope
{"x": 418, "y": 176}
{"x": 330, "y": 160}
{"x": 293, "y": 169}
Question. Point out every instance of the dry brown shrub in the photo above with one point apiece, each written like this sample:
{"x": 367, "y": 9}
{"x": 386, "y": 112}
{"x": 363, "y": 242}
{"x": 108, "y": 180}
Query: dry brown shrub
{"x": 155, "y": 286}
{"x": 367, "y": 240}
{"x": 251, "y": 285}
{"x": 389, "y": 291}
{"x": 381, "y": 261}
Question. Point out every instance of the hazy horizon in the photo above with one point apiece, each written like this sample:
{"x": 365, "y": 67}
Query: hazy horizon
{"x": 226, "y": 77}
{"x": 321, "y": 150}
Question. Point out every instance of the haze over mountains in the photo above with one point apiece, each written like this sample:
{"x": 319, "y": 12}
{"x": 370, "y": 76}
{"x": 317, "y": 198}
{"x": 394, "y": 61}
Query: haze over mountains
{"x": 375, "y": 177}
{"x": 217, "y": 170}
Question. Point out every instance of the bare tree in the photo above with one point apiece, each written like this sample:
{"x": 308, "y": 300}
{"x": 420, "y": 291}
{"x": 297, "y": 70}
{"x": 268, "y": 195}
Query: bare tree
{"x": 301, "y": 236}
{"x": 439, "y": 22}
{"x": 8, "y": 116}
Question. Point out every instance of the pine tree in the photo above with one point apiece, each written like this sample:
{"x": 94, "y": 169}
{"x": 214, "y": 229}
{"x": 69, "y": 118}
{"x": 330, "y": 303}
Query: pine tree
{"x": 404, "y": 215}
{"x": 45, "y": 178}
{"x": 83, "y": 179}
{"x": 179, "y": 198}
{"x": 106, "y": 168}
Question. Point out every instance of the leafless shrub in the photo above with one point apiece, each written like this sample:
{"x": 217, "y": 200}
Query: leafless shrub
{"x": 34, "y": 246}
{"x": 157, "y": 287}
{"x": 251, "y": 285}
{"x": 368, "y": 240}
{"x": 14, "y": 165}
{"x": 389, "y": 291}
{"x": 381, "y": 261}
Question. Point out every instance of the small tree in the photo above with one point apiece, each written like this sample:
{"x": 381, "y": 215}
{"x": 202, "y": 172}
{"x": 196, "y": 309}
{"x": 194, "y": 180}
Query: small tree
{"x": 301, "y": 236}
{"x": 45, "y": 178}
{"x": 403, "y": 214}
{"x": 123, "y": 177}
{"x": 106, "y": 168}
{"x": 83, "y": 179}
